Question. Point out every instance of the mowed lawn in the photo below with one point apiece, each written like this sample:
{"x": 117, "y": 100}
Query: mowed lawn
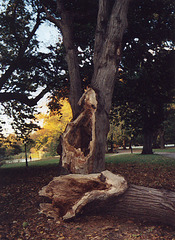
{"x": 135, "y": 158}
{"x": 39, "y": 163}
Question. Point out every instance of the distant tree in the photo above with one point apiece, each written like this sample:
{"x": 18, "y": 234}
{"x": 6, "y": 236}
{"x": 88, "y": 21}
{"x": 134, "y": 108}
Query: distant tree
{"x": 147, "y": 78}
{"x": 12, "y": 145}
{"x": 23, "y": 125}
{"x": 169, "y": 126}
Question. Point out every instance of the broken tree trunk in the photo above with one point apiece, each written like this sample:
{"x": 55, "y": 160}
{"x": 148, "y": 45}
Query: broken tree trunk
{"x": 73, "y": 194}
{"x": 83, "y": 141}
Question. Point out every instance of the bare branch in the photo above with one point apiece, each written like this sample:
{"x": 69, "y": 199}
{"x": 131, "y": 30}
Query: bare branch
{"x": 51, "y": 18}
{"x": 21, "y": 97}
{"x": 26, "y": 43}
{"x": 16, "y": 62}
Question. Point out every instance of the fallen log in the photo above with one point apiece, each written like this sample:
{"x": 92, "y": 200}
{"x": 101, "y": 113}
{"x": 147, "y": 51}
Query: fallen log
{"x": 144, "y": 203}
{"x": 74, "y": 194}
{"x": 70, "y": 193}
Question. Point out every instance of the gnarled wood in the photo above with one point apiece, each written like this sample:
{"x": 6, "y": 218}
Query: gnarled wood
{"x": 70, "y": 193}
{"x": 78, "y": 142}
{"x": 106, "y": 192}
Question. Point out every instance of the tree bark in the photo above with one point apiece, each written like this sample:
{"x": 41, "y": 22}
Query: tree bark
{"x": 148, "y": 141}
{"x": 108, "y": 193}
{"x": 162, "y": 140}
{"x": 143, "y": 203}
{"x": 65, "y": 24}
{"x": 26, "y": 154}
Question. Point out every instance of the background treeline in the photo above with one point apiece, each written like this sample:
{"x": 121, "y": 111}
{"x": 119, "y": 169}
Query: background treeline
{"x": 42, "y": 142}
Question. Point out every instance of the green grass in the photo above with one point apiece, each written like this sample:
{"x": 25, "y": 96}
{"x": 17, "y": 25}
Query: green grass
{"x": 165, "y": 150}
{"x": 140, "y": 159}
{"x": 39, "y": 163}
{"x": 135, "y": 158}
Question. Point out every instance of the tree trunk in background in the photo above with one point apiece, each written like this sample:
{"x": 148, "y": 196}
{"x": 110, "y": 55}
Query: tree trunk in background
{"x": 147, "y": 142}
{"x": 26, "y": 154}
{"x": 162, "y": 140}
{"x": 124, "y": 144}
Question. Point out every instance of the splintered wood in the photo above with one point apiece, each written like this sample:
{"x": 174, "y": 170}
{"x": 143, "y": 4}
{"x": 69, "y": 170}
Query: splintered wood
{"x": 69, "y": 194}
{"x": 79, "y": 137}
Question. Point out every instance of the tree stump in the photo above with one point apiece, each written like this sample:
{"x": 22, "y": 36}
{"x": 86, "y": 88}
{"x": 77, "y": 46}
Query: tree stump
{"x": 106, "y": 192}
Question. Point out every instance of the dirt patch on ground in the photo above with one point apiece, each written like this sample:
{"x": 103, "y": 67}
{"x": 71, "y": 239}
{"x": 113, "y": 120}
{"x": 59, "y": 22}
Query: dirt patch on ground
{"x": 20, "y": 217}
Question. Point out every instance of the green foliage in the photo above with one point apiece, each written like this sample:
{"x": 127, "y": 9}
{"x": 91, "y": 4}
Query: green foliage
{"x": 147, "y": 75}
{"x": 24, "y": 69}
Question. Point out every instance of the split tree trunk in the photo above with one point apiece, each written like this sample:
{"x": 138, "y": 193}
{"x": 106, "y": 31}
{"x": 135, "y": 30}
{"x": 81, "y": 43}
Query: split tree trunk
{"x": 74, "y": 194}
{"x": 111, "y": 24}
{"x": 83, "y": 142}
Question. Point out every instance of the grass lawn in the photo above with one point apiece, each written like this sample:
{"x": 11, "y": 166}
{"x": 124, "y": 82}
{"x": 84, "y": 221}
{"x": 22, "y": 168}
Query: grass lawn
{"x": 38, "y": 163}
{"x": 140, "y": 159}
{"x": 135, "y": 158}
{"x": 165, "y": 150}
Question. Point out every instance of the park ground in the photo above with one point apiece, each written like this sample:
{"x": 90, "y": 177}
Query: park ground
{"x": 19, "y": 201}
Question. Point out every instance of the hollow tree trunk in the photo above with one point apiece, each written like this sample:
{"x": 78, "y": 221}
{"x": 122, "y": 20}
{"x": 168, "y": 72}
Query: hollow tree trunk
{"x": 84, "y": 140}
{"x": 74, "y": 194}
{"x": 111, "y": 24}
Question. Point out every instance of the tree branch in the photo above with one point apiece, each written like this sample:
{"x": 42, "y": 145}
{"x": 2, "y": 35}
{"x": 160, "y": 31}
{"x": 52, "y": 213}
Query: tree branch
{"x": 16, "y": 62}
{"x": 21, "y": 97}
{"x": 26, "y": 43}
{"x": 102, "y": 20}
{"x": 51, "y": 18}
{"x": 111, "y": 25}
{"x": 66, "y": 26}
{"x": 13, "y": 24}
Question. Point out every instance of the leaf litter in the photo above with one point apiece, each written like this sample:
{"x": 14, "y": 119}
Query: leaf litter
{"x": 20, "y": 218}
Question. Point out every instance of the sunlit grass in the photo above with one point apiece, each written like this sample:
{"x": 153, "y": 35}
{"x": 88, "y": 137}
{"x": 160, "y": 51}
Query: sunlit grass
{"x": 38, "y": 163}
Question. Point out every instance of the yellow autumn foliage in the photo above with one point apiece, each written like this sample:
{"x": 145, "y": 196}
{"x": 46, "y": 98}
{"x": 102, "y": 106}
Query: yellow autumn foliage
{"x": 53, "y": 125}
